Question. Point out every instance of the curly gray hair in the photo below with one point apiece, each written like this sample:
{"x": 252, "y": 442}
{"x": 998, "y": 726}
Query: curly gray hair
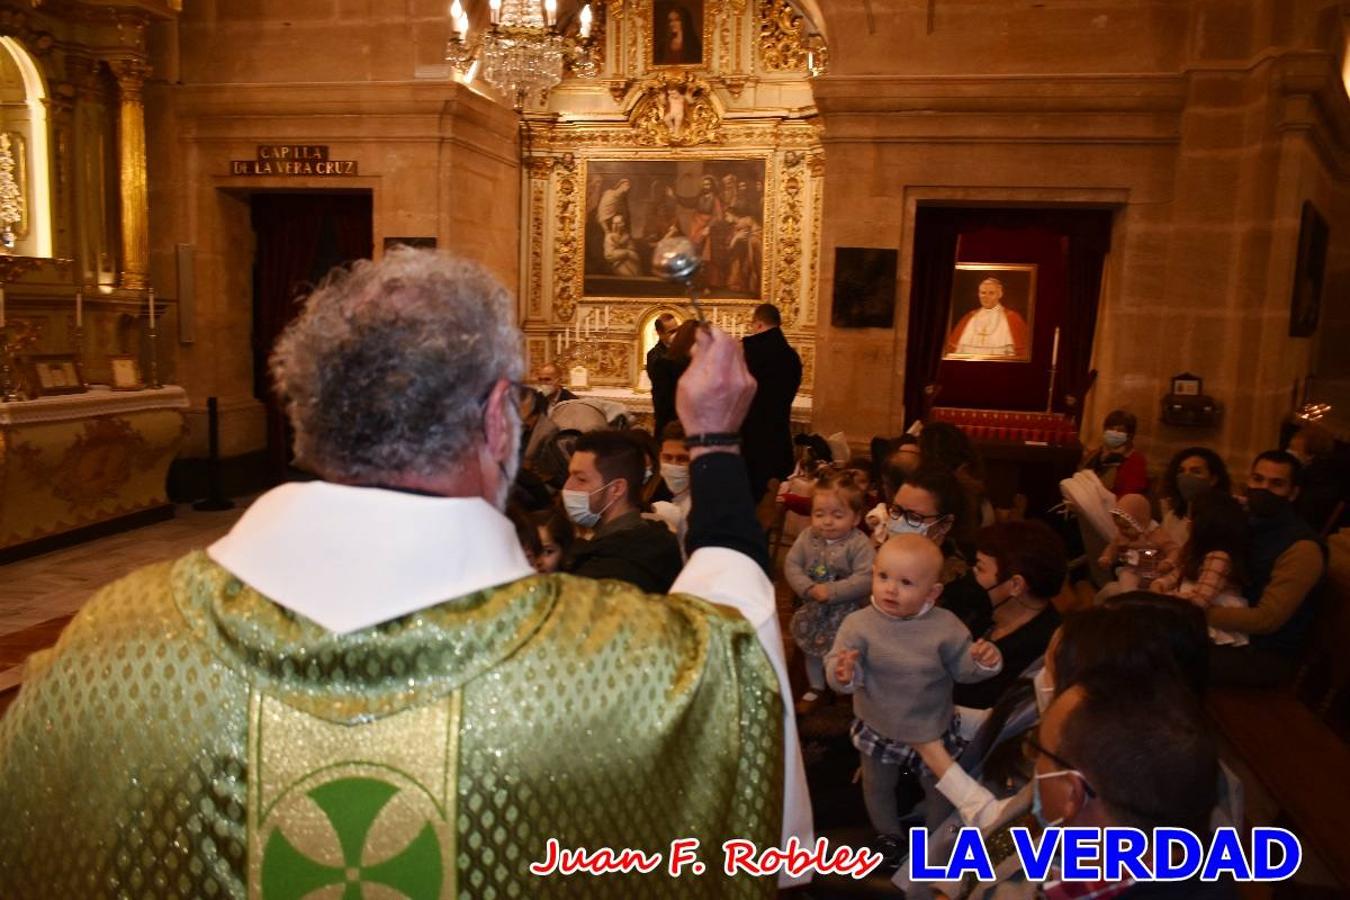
{"x": 386, "y": 370}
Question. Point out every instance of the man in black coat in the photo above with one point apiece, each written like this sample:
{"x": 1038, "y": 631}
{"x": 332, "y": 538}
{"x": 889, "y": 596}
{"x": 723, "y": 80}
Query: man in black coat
{"x": 766, "y": 435}
{"x": 603, "y": 492}
{"x": 663, "y": 373}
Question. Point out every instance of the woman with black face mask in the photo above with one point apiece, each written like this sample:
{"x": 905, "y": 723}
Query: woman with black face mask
{"x": 1191, "y": 472}
{"x": 1021, "y": 566}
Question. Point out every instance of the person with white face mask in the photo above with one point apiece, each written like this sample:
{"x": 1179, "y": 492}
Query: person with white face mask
{"x": 1121, "y": 467}
{"x": 674, "y": 461}
{"x": 549, "y": 382}
{"x": 603, "y": 492}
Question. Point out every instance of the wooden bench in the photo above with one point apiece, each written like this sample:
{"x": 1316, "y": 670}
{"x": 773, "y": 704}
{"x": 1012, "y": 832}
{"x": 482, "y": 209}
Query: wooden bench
{"x": 1285, "y": 737}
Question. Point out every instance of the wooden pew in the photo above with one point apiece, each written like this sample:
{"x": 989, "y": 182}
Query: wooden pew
{"x": 1286, "y": 737}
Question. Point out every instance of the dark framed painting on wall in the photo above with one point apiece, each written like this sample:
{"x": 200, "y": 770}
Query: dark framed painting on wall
{"x": 632, "y": 204}
{"x": 1309, "y": 272}
{"x": 677, "y": 33}
{"x": 864, "y": 287}
{"x": 993, "y": 308}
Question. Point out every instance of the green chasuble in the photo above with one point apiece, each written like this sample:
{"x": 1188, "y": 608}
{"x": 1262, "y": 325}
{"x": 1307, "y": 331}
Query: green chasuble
{"x": 189, "y": 738}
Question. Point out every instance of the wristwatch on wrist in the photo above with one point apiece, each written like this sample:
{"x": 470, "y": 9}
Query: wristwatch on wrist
{"x": 713, "y": 439}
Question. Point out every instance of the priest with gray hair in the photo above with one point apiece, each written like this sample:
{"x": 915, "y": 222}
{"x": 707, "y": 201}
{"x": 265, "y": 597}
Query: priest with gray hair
{"x": 366, "y": 683}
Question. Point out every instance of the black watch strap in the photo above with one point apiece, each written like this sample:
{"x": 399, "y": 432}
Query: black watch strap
{"x": 713, "y": 439}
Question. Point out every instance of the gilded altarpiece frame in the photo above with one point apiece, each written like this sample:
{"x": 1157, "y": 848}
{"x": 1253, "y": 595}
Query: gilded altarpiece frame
{"x": 642, "y": 115}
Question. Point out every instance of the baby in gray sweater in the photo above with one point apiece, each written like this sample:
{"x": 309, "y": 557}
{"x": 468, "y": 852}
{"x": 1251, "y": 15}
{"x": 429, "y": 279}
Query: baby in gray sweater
{"x": 899, "y": 658}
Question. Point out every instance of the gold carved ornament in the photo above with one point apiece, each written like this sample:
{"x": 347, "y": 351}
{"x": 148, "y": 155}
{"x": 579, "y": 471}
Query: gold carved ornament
{"x": 675, "y": 109}
{"x": 604, "y": 360}
{"x": 784, "y": 43}
{"x": 570, "y": 225}
{"x": 790, "y": 238}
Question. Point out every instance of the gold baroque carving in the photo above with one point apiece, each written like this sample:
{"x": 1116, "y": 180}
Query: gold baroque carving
{"x": 790, "y": 238}
{"x": 538, "y": 196}
{"x": 569, "y": 225}
{"x": 675, "y": 109}
{"x": 96, "y": 465}
{"x": 783, "y": 43}
{"x": 604, "y": 360}
{"x": 816, "y": 165}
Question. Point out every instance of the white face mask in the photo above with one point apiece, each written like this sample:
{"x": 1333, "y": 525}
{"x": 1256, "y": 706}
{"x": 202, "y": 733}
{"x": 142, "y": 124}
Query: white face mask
{"x": 548, "y": 390}
{"x": 578, "y": 506}
{"x": 900, "y": 526}
{"x": 1115, "y": 439}
{"x": 675, "y": 477}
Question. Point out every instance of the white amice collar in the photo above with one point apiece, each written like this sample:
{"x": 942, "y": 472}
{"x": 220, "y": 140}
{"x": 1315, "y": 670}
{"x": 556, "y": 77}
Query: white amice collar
{"x": 352, "y": 557}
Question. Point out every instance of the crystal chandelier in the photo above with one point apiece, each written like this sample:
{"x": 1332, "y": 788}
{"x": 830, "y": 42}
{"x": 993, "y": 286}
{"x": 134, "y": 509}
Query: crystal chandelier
{"x": 522, "y": 52}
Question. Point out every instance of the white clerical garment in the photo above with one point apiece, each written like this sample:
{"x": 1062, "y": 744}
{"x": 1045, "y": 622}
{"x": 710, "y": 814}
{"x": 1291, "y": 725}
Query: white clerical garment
{"x": 987, "y": 333}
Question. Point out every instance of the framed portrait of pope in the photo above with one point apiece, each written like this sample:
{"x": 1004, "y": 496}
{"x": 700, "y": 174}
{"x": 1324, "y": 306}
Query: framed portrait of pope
{"x": 992, "y": 313}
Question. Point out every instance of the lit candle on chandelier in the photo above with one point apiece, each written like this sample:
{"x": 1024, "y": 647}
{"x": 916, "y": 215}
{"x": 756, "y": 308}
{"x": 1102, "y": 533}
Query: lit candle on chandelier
{"x": 495, "y": 11}
{"x": 550, "y": 12}
{"x": 456, "y": 18}
{"x": 585, "y": 29}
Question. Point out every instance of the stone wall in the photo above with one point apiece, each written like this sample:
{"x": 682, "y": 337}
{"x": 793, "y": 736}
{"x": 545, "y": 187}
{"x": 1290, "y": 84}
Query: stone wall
{"x": 1205, "y": 124}
{"x": 438, "y": 159}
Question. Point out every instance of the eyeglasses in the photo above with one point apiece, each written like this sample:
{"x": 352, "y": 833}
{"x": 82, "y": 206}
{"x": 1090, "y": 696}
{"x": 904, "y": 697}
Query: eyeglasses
{"x": 1032, "y": 749}
{"x": 910, "y": 516}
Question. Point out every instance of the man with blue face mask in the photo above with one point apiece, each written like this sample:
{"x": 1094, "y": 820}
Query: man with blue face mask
{"x": 603, "y": 491}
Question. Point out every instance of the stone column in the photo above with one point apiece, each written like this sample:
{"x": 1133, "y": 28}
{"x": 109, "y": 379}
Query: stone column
{"x": 135, "y": 263}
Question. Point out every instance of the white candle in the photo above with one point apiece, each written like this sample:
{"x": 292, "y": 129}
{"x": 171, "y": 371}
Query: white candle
{"x": 550, "y": 11}
{"x": 495, "y": 11}
{"x": 557, "y": 343}
{"x": 79, "y": 309}
{"x": 586, "y": 21}
{"x": 1054, "y": 352}
{"x": 607, "y": 325}
{"x": 150, "y": 301}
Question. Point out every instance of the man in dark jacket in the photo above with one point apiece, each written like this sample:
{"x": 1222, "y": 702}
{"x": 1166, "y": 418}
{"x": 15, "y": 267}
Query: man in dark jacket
{"x": 663, "y": 373}
{"x": 766, "y": 434}
{"x": 603, "y": 491}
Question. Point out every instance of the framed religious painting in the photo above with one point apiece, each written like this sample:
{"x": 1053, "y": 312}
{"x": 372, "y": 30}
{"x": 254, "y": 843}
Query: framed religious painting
{"x": 993, "y": 307}
{"x": 55, "y": 373}
{"x": 632, "y": 204}
{"x": 1309, "y": 272}
{"x": 126, "y": 373}
{"x": 677, "y": 31}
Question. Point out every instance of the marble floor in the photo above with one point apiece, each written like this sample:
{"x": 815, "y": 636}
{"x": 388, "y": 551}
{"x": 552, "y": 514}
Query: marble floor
{"x": 39, "y": 595}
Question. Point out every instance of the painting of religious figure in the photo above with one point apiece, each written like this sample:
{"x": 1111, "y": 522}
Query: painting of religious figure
{"x": 632, "y": 204}
{"x": 677, "y": 33}
{"x": 991, "y": 312}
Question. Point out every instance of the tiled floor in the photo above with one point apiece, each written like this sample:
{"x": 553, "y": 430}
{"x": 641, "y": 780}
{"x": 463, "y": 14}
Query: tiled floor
{"x": 39, "y": 595}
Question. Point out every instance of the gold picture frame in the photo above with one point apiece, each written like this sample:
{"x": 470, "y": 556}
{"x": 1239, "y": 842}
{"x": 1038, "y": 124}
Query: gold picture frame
{"x": 125, "y": 373}
{"x": 693, "y": 44}
{"x": 972, "y": 338}
{"x": 721, "y": 203}
{"x": 50, "y": 374}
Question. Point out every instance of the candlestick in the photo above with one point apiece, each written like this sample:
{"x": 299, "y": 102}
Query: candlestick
{"x": 1054, "y": 353}
{"x": 585, "y": 21}
{"x": 150, "y": 301}
{"x": 79, "y": 309}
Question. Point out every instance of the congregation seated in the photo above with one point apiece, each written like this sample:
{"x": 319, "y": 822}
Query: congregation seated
{"x": 1284, "y": 563}
{"x": 603, "y": 492}
{"x": 1190, "y": 472}
{"x": 1325, "y": 482}
{"x": 1021, "y": 566}
{"x": 1141, "y": 752}
{"x": 1121, "y": 467}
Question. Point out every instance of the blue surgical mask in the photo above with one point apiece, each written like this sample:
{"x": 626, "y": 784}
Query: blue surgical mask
{"x": 900, "y": 526}
{"x": 675, "y": 477}
{"x": 1037, "y": 809}
{"x": 578, "y": 506}
{"x": 1115, "y": 439}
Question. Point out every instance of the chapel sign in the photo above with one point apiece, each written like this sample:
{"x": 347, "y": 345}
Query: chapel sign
{"x": 293, "y": 159}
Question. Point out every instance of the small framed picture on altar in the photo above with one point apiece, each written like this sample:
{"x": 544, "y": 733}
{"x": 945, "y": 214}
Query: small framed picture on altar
{"x": 993, "y": 307}
{"x": 125, "y": 373}
{"x": 55, "y": 373}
